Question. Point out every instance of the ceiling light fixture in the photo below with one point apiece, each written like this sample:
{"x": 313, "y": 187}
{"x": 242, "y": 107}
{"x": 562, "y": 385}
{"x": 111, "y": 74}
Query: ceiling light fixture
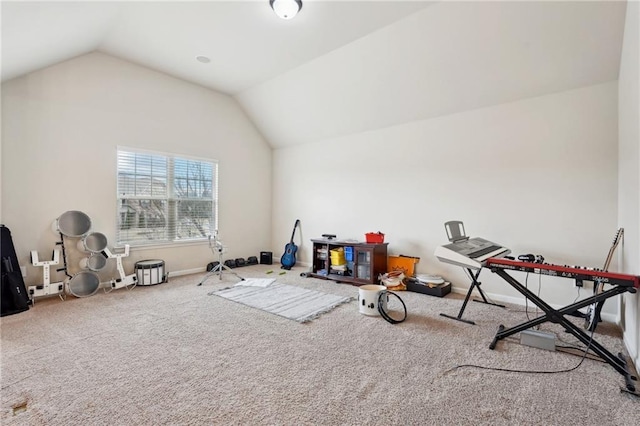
{"x": 286, "y": 9}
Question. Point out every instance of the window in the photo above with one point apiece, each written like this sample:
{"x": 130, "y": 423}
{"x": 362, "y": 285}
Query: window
{"x": 164, "y": 198}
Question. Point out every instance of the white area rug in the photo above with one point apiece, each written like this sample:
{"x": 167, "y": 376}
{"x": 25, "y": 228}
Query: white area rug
{"x": 256, "y": 282}
{"x": 288, "y": 301}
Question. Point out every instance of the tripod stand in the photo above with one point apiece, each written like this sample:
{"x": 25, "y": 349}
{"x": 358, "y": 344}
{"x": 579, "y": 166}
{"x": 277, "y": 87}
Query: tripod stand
{"x": 216, "y": 245}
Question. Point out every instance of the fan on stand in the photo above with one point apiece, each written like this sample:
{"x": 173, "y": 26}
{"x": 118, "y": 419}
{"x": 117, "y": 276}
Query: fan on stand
{"x": 216, "y": 246}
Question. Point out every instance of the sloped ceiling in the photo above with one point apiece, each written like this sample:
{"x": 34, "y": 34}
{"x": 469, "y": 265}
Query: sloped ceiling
{"x": 339, "y": 67}
{"x": 246, "y": 42}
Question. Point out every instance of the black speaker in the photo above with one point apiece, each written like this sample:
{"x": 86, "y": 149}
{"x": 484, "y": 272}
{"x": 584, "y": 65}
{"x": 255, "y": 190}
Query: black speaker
{"x": 266, "y": 258}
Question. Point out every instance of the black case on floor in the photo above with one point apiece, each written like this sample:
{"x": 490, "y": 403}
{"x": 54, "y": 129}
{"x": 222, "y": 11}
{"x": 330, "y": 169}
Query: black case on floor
{"x": 13, "y": 294}
{"x": 439, "y": 290}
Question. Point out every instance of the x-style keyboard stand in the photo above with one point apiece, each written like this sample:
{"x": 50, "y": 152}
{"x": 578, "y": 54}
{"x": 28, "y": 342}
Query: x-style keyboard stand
{"x": 474, "y": 284}
{"x": 558, "y": 316}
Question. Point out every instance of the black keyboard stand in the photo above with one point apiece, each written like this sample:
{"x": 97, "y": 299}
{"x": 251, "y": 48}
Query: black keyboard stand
{"x": 474, "y": 284}
{"x": 618, "y": 362}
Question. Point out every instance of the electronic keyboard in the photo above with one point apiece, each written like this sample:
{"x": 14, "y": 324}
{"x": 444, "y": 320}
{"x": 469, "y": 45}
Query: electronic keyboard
{"x": 470, "y": 253}
{"x": 578, "y": 273}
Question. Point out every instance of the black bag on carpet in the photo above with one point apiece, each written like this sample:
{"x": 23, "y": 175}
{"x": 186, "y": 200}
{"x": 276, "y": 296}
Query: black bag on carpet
{"x": 13, "y": 294}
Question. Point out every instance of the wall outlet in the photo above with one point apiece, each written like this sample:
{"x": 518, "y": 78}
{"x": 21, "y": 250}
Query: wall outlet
{"x": 23, "y": 271}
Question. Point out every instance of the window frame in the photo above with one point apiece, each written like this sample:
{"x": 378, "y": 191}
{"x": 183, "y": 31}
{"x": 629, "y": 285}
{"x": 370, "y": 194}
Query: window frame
{"x": 169, "y": 198}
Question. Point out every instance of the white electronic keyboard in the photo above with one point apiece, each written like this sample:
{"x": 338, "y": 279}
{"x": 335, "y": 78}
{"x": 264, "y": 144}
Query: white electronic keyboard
{"x": 470, "y": 253}
{"x": 467, "y": 252}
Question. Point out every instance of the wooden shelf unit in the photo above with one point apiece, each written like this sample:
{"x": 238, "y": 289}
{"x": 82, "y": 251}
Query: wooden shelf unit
{"x": 369, "y": 261}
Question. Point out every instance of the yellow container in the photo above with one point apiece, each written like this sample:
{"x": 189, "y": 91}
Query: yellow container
{"x": 337, "y": 256}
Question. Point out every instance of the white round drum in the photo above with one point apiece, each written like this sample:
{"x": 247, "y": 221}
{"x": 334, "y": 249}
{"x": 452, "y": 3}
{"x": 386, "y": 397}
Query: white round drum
{"x": 84, "y": 284}
{"x": 93, "y": 242}
{"x": 94, "y": 262}
{"x": 150, "y": 272}
{"x": 73, "y": 224}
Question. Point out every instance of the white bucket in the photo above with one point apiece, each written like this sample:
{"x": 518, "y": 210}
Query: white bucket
{"x": 368, "y": 299}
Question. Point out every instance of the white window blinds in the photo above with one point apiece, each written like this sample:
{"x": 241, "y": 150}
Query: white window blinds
{"x": 163, "y": 198}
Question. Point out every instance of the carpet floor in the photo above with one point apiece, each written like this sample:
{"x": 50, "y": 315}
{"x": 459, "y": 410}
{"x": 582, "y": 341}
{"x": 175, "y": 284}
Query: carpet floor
{"x": 170, "y": 354}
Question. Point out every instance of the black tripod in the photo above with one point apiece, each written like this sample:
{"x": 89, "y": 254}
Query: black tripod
{"x": 216, "y": 245}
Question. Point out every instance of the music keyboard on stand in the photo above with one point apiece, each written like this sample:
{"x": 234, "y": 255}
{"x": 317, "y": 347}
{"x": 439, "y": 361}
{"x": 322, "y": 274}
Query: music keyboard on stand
{"x": 470, "y": 253}
{"x": 621, "y": 283}
{"x": 565, "y": 271}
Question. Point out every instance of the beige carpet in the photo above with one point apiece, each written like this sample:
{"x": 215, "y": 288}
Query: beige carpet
{"x": 170, "y": 354}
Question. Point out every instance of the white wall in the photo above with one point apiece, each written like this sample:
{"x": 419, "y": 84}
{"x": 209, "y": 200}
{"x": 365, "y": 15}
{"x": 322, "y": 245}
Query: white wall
{"x": 537, "y": 175}
{"x": 60, "y": 129}
{"x": 629, "y": 173}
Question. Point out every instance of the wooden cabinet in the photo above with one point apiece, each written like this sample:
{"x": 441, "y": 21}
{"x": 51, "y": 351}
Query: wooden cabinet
{"x": 364, "y": 262}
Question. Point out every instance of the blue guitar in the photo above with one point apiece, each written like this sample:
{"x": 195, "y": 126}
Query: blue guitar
{"x": 288, "y": 259}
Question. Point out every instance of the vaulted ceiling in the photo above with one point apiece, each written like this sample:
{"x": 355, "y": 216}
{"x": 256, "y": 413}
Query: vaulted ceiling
{"x": 339, "y": 67}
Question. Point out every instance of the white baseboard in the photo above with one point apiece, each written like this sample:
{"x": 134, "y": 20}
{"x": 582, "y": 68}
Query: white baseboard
{"x": 635, "y": 357}
{"x": 186, "y": 272}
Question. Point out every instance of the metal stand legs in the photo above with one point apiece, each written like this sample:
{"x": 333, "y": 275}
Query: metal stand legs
{"x": 219, "y": 269}
{"x": 474, "y": 284}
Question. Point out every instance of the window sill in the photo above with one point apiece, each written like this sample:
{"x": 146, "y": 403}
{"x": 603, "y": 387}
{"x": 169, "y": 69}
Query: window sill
{"x": 165, "y": 245}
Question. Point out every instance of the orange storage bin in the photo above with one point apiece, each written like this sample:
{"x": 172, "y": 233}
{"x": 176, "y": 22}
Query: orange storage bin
{"x": 406, "y": 264}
